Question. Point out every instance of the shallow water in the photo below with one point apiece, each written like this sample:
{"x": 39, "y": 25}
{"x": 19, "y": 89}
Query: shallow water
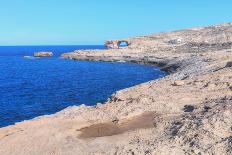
{"x": 39, "y": 86}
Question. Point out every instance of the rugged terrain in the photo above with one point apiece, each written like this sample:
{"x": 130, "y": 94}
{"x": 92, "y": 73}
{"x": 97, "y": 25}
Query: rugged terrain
{"x": 187, "y": 112}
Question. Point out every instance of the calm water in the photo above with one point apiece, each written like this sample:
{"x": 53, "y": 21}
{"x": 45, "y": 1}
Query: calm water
{"x": 34, "y": 87}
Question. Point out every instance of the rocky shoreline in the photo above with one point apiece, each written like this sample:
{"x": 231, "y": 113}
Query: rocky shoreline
{"x": 187, "y": 112}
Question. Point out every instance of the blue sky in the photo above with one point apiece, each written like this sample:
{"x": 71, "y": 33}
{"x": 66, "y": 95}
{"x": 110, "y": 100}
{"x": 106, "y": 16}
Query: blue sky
{"x": 52, "y": 22}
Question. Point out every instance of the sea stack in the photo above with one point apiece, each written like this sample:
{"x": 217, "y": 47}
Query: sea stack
{"x": 43, "y": 54}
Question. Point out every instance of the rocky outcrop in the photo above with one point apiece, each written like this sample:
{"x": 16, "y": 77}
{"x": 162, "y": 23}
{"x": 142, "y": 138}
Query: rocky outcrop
{"x": 188, "y": 112}
{"x": 115, "y": 44}
{"x": 43, "y": 54}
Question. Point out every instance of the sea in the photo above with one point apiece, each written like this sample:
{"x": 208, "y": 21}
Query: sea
{"x": 32, "y": 87}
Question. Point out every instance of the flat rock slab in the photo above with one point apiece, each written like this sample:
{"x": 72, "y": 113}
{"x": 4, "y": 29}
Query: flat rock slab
{"x": 43, "y": 54}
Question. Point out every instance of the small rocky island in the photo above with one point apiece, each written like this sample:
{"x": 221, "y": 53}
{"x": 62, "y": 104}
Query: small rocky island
{"x": 43, "y": 54}
{"x": 187, "y": 112}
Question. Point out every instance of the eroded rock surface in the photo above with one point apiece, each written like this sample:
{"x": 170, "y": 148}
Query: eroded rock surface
{"x": 115, "y": 44}
{"x": 159, "y": 117}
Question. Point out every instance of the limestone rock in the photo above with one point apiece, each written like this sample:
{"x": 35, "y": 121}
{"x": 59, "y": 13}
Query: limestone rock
{"x": 43, "y": 54}
{"x": 115, "y": 44}
{"x": 178, "y": 83}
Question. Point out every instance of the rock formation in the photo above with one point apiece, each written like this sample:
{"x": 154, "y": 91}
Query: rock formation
{"x": 43, "y": 54}
{"x": 115, "y": 44}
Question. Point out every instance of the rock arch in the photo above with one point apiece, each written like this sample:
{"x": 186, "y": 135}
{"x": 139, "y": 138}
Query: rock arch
{"x": 115, "y": 44}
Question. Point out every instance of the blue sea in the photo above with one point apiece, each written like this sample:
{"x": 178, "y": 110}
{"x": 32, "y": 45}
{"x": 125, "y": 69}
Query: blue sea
{"x": 41, "y": 86}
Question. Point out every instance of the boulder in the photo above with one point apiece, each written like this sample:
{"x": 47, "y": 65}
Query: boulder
{"x": 178, "y": 83}
{"x": 43, "y": 54}
{"x": 229, "y": 64}
{"x": 175, "y": 41}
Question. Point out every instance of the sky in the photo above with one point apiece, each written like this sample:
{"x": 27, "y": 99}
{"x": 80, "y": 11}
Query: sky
{"x": 91, "y": 22}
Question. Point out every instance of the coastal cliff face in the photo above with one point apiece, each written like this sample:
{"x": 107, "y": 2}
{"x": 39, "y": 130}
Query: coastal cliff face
{"x": 187, "y": 112}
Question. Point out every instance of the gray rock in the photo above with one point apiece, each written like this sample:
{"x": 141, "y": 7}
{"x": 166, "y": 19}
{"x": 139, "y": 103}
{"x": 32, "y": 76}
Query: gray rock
{"x": 229, "y": 64}
{"x": 175, "y": 41}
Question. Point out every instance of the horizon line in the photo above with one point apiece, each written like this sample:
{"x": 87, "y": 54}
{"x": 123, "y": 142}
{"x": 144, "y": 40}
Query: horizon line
{"x": 57, "y": 45}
